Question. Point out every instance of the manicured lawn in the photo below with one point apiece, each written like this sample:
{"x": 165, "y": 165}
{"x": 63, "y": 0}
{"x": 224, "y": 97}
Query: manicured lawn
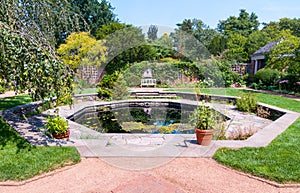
{"x": 9, "y": 102}
{"x": 279, "y": 101}
{"x": 278, "y": 161}
{"x": 19, "y": 159}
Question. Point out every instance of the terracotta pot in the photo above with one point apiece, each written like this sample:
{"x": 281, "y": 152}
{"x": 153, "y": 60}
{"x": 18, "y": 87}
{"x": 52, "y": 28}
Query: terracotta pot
{"x": 204, "y": 137}
{"x": 62, "y": 136}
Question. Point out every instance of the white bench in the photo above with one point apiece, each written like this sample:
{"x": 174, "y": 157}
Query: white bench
{"x": 148, "y": 82}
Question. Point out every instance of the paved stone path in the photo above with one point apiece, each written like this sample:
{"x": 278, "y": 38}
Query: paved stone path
{"x": 188, "y": 175}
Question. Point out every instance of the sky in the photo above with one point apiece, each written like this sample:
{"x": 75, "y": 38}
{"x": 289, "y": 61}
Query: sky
{"x": 167, "y": 13}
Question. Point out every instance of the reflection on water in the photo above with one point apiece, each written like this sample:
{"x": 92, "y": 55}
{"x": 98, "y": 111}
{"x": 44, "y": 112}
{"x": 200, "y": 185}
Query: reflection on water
{"x": 154, "y": 119}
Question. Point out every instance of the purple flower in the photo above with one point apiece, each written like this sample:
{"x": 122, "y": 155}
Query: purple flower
{"x": 284, "y": 81}
{"x": 297, "y": 83}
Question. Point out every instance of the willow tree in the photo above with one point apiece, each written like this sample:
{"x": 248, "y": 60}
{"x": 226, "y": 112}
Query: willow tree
{"x": 29, "y": 31}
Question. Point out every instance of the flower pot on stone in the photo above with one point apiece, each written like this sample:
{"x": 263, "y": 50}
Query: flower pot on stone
{"x": 205, "y": 120}
{"x": 58, "y": 127}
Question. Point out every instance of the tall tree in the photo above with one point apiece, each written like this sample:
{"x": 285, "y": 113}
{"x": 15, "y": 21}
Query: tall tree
{"x": 274, "y": 28}
{"x": 44, "y": 22}
{"x": 125, "y": 44}
{"x": 256, "y": 40}
{"x": 217, "y": 45}
{"x": 244, "y": 24}
{"x": 164, "y": 47}
{"x": 29, "y": 31}
{"x": 236, "y": 48}
{"x": 81, "y": 48}
{"x": 152, "y": 32}
{"x": 192, "y": 38}
{"x": 93, "y": 13}
{"x": 109, "y": 29}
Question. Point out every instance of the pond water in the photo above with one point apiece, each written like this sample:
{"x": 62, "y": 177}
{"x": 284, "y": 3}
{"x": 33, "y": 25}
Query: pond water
{"x": 170, "y": 118}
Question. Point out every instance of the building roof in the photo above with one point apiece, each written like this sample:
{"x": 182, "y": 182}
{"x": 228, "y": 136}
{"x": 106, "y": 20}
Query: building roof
{"x": 265, "y": 49}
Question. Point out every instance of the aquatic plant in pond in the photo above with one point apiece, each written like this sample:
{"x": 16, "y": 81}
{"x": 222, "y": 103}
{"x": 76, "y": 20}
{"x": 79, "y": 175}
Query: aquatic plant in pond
{"x": 158, "y": 119}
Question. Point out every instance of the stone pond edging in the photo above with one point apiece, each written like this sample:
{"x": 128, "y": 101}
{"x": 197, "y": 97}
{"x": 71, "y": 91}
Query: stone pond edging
{"x": 32, "y": 128}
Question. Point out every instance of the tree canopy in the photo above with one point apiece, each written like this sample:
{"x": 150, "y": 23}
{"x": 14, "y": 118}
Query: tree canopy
{"x": 244, "y": 24}
{"x": 285, "y": 55}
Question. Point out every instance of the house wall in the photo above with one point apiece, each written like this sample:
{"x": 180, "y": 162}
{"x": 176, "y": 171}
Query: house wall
{"x": 257, "y": 63}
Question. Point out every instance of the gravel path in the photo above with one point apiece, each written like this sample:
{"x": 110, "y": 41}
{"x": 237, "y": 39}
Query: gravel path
{"x": 180, "y": 175}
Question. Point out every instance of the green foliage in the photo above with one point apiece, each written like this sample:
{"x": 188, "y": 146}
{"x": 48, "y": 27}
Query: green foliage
{"x": 236, "y": 48}
{"x": 256, "y": 40}
{"x": 217, "y": 45}
{"x": 2, "y": 90}
{"x": 104, "y": 93}
{"x": 152, "y": 32}
{"x": 56, "y": 125}
{"x": 45, "y": 30}
{"x": 165, "y": 129}
{"x": 164, "y": 47}
{"x": 273, "y": 28}
{"x": 133, "y": 126}
{"x": 126, "y": 46}
{"x": 285, "y": 55}
{"x": 93, "y": 14}
{"x": 108, "y": 81}
{"x": 26, "y": 66}
{"x": 80, "y": 48}
{"x": 188, "y": 47}
{"x": 107, "y": 85}
{"x": 202, "y": 32}
{"x": 247, "y": 103}
{"x": 205, "y": 118}
{"x": 120, "y": 90}
{"x": 267, "y": 76}
{"x": 244, "y": 24}
{"x": 106, "y": 30}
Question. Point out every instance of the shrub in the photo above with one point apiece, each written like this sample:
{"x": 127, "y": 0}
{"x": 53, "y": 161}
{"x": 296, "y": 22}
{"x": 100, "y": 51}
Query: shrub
{"x": 120, "y": 90}
{"x": 267, "y": 76}
{"x": 247, "y": 103}
{"x": 104, "y": 93}
{"x": 2, "y": 90}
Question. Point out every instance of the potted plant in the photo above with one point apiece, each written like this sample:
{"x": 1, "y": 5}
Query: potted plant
{"x": 58, "y": 127}
{"x": 205, "y": 120}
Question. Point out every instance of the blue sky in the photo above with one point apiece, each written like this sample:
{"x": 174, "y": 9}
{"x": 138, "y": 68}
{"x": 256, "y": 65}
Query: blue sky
{"x": 167, "y": 13}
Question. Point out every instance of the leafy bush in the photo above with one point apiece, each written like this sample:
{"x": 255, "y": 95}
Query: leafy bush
{"x": 56, "y": 125}
{"x": 267, "y": 76}
{"x": 247, "y": 102}
{"x": 2, "y": 90}
{"x": 120, "y": 90}
{"x": 104, "y": 93}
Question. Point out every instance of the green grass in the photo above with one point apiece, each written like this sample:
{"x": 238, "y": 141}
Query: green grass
{"x": 19, "y": 159}
{"x": 9, "y": 102}
{"x": 279, "y": 161}
{"x": 275, "y": 100}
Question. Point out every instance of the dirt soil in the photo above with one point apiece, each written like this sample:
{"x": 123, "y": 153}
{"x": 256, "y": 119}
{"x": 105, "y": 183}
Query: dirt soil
{"x": 193, "y": 175}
